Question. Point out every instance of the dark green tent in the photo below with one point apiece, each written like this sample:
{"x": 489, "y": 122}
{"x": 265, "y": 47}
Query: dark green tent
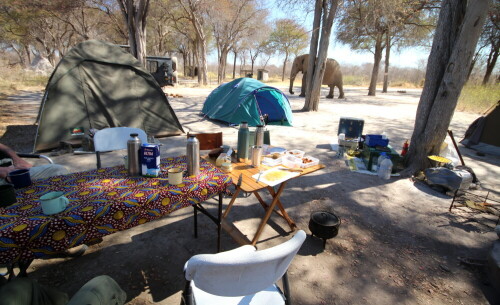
{"x": 247, "y": 99}
{"x": 99, "y": 85}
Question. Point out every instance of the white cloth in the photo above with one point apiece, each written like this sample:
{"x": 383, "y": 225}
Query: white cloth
{"x": 44, "y": 171}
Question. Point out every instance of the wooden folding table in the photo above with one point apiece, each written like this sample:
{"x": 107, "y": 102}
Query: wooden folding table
{"x": 242, "y": 178}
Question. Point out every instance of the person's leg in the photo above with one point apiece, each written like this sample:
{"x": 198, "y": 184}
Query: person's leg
{"x": 101, "y": 290}
{"x": 47, "y": 171}
{"x": 25, "y": 291}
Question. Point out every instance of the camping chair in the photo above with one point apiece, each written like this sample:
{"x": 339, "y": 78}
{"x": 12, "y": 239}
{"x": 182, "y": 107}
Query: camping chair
{"x": 241, "y": 276}
{"x": 114, "y": 138}
{"x": 208, "y": 140}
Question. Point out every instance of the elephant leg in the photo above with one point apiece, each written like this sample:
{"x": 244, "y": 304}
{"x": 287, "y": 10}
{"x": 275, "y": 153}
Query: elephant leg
{"x": 303, "y": 88}
{"x": 330, "y": 94}
{"x": 341, "y": 91}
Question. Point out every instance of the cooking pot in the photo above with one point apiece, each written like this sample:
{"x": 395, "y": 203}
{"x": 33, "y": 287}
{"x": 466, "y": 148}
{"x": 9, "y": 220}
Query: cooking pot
{"x": 324, "y": 225}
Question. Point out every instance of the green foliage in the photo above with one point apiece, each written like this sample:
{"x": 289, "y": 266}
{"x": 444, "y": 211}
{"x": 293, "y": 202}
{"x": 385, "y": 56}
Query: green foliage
{"x": 288, "y": 37}
{"x": 477, "y": 98}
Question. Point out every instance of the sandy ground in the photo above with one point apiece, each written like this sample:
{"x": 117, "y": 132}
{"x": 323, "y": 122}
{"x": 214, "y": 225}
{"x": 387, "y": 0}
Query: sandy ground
{"x": 398, "y": 243}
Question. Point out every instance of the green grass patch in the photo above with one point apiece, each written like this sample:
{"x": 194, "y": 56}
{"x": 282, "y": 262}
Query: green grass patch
{"x": 477, "y": 98}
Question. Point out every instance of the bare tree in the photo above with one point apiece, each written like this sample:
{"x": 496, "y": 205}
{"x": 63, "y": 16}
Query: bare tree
{"x": 491, "y": 38}
{"x": 196, "y": 12}
{"x": 135, "y": 13}
{"x": 458, "y": 29}
{"x": 288, "y": 38}
{"x": 231, "y": 21}
{"x": 324, "y": 14}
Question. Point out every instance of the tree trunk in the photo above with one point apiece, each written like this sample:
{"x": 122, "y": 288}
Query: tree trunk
{"x": 234, "y": 65}
{"x": 221, "y": 75}
{"x": 313, "y": 51}
{"x": 455, "y": 39}
{"x": 329, "y": 11}
{"x": 377, "y": 57}
{"x": 387, "y": 55}
{"x": 28, "y": 54}
{"x": 135, "y": 13}
{"x": 490, "y": 64}
{"x": 473, "y": 63}
{"x": 284, "y": 67}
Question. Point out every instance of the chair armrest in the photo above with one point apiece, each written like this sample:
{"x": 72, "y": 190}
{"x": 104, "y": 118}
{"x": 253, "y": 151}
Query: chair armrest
{"x": 23, "y": 155}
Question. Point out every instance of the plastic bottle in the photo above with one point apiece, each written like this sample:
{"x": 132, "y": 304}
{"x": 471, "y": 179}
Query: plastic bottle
{"x": 405, "y": 148}
{"x": 380, "y": 158}
{"x": 243, "y": 144}
{"x": 385, "y": 169}
{"x": 193, "y": 155}
{"x": 133, "y": 148}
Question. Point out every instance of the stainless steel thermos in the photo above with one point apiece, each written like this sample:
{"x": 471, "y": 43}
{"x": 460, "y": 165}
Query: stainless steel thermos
{"x": 259, "y": 135}
{"x": 243, "y": 137}
{"x": 133, "y": 147}
{"x": 193, "y": 155}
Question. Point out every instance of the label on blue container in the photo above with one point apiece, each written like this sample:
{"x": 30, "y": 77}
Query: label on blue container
{"x": 150, "y": 160}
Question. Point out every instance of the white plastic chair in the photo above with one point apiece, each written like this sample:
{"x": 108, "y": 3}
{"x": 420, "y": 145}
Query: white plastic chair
{"x": 241, "y": 276}
{"x": 114, "y": 138}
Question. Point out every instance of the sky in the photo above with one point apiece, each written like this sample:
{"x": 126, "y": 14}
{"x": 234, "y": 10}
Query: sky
{"x": 411, "y": 57}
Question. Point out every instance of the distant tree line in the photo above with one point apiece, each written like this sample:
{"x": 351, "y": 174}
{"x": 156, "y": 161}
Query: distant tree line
{"x": 234, "y": 29}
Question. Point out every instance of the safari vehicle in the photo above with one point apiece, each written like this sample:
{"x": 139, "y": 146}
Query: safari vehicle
{"x": 163, "y": 69}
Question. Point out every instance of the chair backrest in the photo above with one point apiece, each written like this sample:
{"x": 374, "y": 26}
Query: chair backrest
{"x": 115, "y": 138}
{"x": 243, "y": 271}
{"x": 208, "y": 140}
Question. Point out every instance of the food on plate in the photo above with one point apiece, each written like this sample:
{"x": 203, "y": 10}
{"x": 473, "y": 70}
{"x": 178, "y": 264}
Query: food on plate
{"x": 306, "y": 160}
{"x": 275, "y": 175}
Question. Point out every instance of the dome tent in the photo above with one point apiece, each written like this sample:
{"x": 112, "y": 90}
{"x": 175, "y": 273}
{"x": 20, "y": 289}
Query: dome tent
{"x": 99, "y": 85}
{"x": 247, "y": 99}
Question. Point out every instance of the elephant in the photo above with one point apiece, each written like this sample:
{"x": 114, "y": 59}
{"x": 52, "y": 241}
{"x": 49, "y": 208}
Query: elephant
{"x": 332, "y": 77}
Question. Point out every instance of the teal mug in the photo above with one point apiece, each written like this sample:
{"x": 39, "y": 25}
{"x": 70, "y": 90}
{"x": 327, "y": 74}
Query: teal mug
{"x": 53, "y": 203}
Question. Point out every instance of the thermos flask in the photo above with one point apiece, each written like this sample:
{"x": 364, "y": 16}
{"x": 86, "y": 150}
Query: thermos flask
{"x": 133, "y": 147}
{"x": 259, "y": 135}
{"x": 193, "y": 155}
{"x": 243, "y": 144}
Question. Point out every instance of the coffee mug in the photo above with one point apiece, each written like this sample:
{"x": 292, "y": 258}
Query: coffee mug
{"x": 175, "y": 176}
{"x": 7, "y": 195}
{"x": 20, "y": 178}
{"x": 53, "y": 203}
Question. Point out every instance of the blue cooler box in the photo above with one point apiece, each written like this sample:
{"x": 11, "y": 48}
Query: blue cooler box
{"x": 351, "y": 127}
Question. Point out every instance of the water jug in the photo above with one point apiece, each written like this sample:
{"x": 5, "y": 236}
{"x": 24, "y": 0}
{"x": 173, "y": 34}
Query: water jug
{"x": 243, "y": 144}
{"x": 385, "y": 169}
{"x": 259, "y": 135}
{"x": 133, "y": 147}
{"x": 193, "y": 156}
{"x": 381, "y": 158}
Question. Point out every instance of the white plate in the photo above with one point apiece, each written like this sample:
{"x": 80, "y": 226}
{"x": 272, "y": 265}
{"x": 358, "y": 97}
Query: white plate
{"x": 282, "y": 172}
{"x": 276, "y": 150}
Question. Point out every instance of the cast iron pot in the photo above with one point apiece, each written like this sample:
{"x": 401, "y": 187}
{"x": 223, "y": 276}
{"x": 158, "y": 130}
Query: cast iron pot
{"x": 324, "y": 225}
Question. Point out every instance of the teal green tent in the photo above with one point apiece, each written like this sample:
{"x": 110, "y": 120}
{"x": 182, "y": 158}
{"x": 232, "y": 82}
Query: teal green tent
{"x": 247, "y": 99}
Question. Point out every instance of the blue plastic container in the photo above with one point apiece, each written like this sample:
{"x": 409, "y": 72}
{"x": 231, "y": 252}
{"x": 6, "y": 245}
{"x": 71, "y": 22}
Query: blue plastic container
{"x": 373, "y": 140}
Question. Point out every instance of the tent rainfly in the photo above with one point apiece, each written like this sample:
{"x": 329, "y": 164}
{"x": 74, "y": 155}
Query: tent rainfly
{"x": 99, "y": 85}
{"x": 247, "y": 99}
{"x": 482, "y": 134}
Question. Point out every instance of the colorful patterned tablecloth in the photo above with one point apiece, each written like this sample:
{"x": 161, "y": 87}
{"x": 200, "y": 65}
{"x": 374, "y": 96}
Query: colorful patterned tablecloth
{"x": 101, "y": 202}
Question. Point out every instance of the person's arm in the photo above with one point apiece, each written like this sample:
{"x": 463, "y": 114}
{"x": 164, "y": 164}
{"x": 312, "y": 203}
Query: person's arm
{"x": 19, "y": 162}
{"x": 4, "y": 171}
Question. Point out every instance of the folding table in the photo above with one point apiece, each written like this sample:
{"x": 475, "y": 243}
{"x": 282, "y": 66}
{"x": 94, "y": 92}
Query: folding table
{"x": 241, "y": 176}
